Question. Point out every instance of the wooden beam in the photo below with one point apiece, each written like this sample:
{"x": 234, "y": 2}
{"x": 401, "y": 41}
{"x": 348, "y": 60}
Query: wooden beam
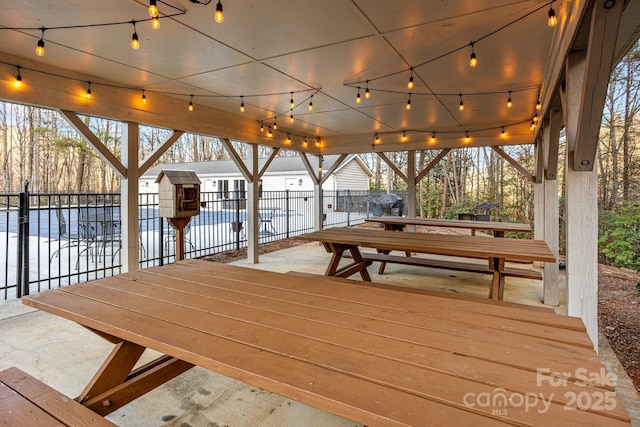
{"x": 333, "y": 167}
{"x": 310, "y": 168}
{"x": 570, "y": 97}
{"x": 432, "y": 164}
{"x": 539, "y": 150}
{"x": 605, "y": 21}
{"x": 157, "y": 152}
{"x": 266, "y": 164}
{"x": 551, "y": 149}
{"x": 238, "y": 160}
{"x": 563, "y": 40}
{"x": 514, "y": 163}
{"x": 91, "y": 139}
{"x": 394, "y": 167}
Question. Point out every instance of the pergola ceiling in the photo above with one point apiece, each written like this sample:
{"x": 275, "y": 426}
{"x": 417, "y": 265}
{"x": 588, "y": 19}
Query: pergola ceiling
{"x": 280, "y": 46}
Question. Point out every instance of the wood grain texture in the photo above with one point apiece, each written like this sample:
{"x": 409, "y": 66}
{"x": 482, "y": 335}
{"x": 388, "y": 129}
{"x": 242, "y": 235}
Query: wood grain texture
{"x": 373, "y": 355}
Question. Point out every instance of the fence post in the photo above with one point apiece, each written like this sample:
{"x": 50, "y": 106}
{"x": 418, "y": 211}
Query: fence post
{"x": 348, "y": 208}
{"x": 22, "y": 282}
{"x": 286, "y": 208}
{"x": 237, "y": 220}
{"x": 161, "y": 239}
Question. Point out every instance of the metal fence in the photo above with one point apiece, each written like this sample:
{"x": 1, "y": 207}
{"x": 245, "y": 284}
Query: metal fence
{"x": 54, "y": 240}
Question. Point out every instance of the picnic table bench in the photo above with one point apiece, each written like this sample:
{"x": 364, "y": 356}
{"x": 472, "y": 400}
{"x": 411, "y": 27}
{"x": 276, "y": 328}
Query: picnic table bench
{"x": 375, "y": 356}
{"x": 339, "y": 240}
{"x": 497, "y": 227}
{"x": 27, "y": 402}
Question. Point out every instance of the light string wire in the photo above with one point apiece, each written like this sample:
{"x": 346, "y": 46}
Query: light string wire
{"x": 359, "y": 83}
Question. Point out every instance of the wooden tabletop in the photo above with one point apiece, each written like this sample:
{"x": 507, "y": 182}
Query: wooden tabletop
{"x": 376, "y": 356}
{"x": 454, "y": 223}
{"x": 440, "y": 244}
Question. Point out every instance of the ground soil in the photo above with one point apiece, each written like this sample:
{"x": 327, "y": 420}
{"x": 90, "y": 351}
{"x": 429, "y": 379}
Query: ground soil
{"x": 618, "y": 302}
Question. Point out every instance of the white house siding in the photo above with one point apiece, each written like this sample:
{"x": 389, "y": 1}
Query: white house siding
{"x": 351, "y": 177}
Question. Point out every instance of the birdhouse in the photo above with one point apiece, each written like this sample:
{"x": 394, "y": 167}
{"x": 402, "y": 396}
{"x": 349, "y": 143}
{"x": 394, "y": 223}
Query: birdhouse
{"x": 178, "y": 193}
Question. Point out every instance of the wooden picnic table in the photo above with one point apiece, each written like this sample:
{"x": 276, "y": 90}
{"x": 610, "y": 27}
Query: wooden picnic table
{"x": 498, "y": 228}
{"x": 375, "y": 356}
{"x": 339, "y": 240}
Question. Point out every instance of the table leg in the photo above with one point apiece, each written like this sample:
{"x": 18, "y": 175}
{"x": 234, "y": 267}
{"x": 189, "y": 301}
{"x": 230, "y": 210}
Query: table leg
{"x": 497, "y": 284}
{"x": 359, "y": 265}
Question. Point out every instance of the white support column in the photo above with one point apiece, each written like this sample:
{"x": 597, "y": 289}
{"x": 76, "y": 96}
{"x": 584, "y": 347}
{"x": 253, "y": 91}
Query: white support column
{"x": 581, "y": 211}
{"x": 129, "y": 198}
{"x": 538, "y": 195}
{"x": 551, "y": 138}
{"x": 252, "y": 207}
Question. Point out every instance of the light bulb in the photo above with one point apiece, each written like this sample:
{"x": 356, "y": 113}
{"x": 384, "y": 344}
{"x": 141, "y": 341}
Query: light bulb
{"x": 18, "y": 82}
{"x": 473, "y": 62}
{"x": 89, "y": 90}
{"x": 289, "y": 138}
{"x": 291, "y": 117}
{"x": 553, "y": 20}
{"x": 433, "y": 137}
{"x": 367, "y": 94}
{"x": 533, "y": 125}
{"x": 538, "y": 105}
{"x": 509, "y": 103}
{"x": 291, "y": 103}
{"x": 144, "y": 98}
{"x": 376, "y": 138}
{"x": 408, "y": 106}
{"x": 503, "y": 134}
{"x": 275, "y": 125}
{"x": 358, "y": 99}
{"x": 410, "y": 82}
{"x": 466, "y": 137}
{"x": 153, "y": 8}
{"x": 155, "y": 23}
{"x": 219, "y": 16}
{"x": 461, "y": 105}
{"x": 40, "y": 48}
{"x": 242, "y": 104}
{"x": 261, "y": 127}
{"x": 404, "y": 136}
{"x": 135, "y": 43}
{"x": 311, "y": 103}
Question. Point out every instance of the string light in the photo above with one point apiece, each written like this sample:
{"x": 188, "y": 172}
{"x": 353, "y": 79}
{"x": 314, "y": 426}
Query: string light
{"x": 153, "y": 8}
{"x": 408, "y": 106}
{"x": 404, "y": 136}
{"x": 410, "y": 82}
{"x": 509, "y": 103}
{"x": 304, "y": 142}
{"x": 18, "y": 82}
{"x": 503, "y": 134}
{"x": 144, "y": 97}
{"x": 40, "y": 46}
{"x": 376, "y": 138}
{"x": 289, "y": 138}
{"x": 241, "y": 104}
{"x": 191, "y": 103}
{"x": 261, "y": 126}
{"x": 219, "y": 16}
{"x": 269, "y": 133}
{"x": 291, "y": 117}
{"x": 538, "y": 104}
{"x": 358, "y": 99}
{"x": 135, "y": 43}
{"x": 433, "y": 137}
{"x": 367, "y": 94}
{"x": 553, "y": 20}
{"x": 461, "y": 106}
{"x": 311, "y": 103}
{"x": 466, "y": 136}
{"x": 318, "y": 144}
{"x": 88, "y": 90}
{"x": 155, "y": 23}
{"x": 291, "y": 103}
{"x": 275, "y": 124}
{"x": 473, "y": 62}
{"x": 536, "y": 118}
{"x": 533, "y": 125}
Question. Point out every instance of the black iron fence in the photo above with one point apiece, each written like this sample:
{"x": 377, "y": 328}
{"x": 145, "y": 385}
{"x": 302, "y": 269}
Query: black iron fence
{"x": 55, "y": 240}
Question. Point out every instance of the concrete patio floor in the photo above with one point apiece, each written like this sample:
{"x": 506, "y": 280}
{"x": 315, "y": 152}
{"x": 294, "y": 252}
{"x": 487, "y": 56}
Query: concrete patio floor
{"x": 65, "y": 355}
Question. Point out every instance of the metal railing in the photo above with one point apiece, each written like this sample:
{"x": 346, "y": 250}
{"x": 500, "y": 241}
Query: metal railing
{"x": 55, "y": 240}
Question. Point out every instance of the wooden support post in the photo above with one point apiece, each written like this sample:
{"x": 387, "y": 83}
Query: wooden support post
{"x": 179, "y": 224}
{"x": 551, "y": 138}
{"x": 411, "y": 187}
{"x": 129, "y": 216}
